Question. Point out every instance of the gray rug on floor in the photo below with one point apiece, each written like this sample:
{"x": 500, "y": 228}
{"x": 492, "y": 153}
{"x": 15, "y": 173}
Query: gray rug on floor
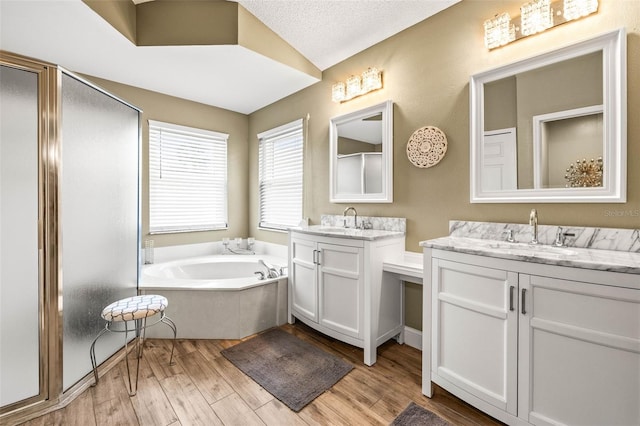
{"x": 291, "y": 369}
{"x": 415, "y": 415}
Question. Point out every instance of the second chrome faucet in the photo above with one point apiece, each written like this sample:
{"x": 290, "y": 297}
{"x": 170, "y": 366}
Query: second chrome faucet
{"x": 533, "y": 221}
{"x": 355, "y": 217}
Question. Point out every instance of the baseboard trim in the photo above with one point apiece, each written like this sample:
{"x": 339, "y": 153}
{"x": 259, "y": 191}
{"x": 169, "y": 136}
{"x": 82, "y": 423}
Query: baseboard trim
{"x": 413, "y": 337}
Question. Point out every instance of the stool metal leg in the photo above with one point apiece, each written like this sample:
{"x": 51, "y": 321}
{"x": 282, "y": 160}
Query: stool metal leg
{"x": 133, "y": 389}
{"x": 172, "y": 325}
{"x": 92, "y": 354}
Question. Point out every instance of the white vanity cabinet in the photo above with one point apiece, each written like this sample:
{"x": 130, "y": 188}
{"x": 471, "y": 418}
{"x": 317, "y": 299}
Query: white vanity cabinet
{"x": 336, "y": 287}
{"x": 327, "y": 285}
{"x": 475, "y": 331}
{"x": 535, "y": 343}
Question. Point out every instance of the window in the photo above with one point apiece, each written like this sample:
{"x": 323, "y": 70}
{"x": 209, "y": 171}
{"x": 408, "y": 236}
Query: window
{"x": 187, "y": 179}
{"x": 280, "y": 174}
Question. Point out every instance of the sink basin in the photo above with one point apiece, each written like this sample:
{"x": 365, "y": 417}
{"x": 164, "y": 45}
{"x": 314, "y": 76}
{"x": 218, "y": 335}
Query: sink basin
{"x": 334, "y": 229}
{"x": 545, "y": 251}
{"x": 533, "y": 249}
{"x": 522, "y": 249}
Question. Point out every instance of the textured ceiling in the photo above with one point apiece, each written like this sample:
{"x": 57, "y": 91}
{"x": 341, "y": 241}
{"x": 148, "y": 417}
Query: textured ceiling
{"x": 329, "y": 31}
{"x": 69, "y": 33}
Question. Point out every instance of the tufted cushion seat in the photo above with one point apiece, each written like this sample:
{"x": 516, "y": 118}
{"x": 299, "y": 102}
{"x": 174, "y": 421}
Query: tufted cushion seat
{"x": 136, "y": 307}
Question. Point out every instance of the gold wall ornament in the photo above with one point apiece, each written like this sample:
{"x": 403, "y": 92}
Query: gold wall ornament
{"x": 426, "y": 147}
{"x": 584, "y": 173}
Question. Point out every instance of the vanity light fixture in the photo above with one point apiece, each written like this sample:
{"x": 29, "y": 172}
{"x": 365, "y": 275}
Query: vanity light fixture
{"x": 499, "y": 31}
{"x": 354, "y": 86}
{"x": 535, "y": 16}
{"x": 357, "y": 85}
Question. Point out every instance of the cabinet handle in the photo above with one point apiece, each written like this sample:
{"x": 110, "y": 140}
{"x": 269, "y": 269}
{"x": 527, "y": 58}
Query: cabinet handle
{"x": 319, "y": 258}
{"x": 315, "y": 252}
{"x": 511, "y": 290}
{"x": 524, "y": 293}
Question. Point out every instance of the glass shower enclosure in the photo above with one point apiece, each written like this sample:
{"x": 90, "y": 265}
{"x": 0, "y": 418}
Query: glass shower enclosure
{"x": 69, "y": 228}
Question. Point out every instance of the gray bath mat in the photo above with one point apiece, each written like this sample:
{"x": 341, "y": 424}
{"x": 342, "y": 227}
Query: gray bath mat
{"x": 291, "y": 369}
{"x": 415, "y": 415}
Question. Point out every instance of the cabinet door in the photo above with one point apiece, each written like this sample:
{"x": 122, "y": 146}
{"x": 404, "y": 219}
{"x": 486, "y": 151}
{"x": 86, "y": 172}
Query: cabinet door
{"x": 579, "y": 353}
{"x": 341, "y": 289}
{"x": 475, "y": 331}
{"x": 304, "y": 287}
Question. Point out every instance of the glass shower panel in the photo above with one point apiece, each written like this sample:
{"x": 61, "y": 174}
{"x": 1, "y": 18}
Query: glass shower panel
{"x": 99, "y": 219}
{"x": 19, "y": 266}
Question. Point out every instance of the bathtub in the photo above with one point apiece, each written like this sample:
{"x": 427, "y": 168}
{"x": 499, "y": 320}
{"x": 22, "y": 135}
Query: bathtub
{"x": 217, "y": 297}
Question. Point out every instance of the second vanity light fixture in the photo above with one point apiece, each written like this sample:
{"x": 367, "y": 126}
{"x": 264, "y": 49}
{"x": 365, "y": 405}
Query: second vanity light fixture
{"x": 535, "y": 16}
{"x": 357, "y": 85}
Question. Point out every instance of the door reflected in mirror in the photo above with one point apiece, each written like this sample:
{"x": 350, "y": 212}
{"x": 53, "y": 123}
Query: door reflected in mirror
{"x": 361, "y": 155}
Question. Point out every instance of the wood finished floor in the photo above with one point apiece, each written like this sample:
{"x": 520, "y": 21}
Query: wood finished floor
{"x": 203, "y": 388}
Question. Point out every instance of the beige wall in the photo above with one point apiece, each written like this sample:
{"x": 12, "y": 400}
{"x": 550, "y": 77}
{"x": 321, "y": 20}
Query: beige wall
{"x": 500, "y": 104}
{"x": 426, "y": 71}
{"x": 169, "y": 109}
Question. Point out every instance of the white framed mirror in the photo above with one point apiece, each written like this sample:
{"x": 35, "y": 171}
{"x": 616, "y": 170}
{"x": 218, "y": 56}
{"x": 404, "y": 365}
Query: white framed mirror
{"x": 533, "y": 123}
{"x": 361, "y": 155}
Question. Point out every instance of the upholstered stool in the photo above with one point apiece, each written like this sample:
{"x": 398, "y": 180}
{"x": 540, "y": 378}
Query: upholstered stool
{"x": 138, "y": 309}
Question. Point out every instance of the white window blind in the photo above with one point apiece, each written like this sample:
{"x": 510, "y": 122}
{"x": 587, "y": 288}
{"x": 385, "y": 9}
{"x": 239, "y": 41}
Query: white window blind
{"x": 187, "y": 178}
{"x": 280, "y": 175}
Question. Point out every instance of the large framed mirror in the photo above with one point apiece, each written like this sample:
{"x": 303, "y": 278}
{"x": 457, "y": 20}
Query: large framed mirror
{"x": 361, "y": 155}
{"x": 552, "y": 128}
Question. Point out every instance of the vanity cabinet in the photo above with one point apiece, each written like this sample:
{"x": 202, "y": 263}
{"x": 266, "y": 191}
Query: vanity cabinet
{"x": 336, "y": 287}
{"x": 327, "y": 285}
{"x": 476, "y": 331}
{"x": 536, "y": 344}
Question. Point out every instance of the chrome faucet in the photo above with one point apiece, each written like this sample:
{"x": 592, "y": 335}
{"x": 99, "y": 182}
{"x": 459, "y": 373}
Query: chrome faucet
{"x": 272, "y": 272}
{"x": 561, "y": 236}
{"x": 533, "y": 221}
{"x": 355, "y": 218}
{"x": 509, "y": 234}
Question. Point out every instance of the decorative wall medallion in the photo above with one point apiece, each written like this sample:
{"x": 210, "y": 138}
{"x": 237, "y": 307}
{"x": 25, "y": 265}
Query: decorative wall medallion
{"x": 426, "y": 147}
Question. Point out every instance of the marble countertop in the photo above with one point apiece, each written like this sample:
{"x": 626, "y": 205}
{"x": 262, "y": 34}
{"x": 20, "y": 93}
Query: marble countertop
{"x": 352, "y": 233}
{"x": 586, "y": 258}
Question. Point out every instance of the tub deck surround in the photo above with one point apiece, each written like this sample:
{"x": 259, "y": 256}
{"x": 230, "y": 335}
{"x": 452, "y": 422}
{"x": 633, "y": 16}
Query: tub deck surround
{"x": 169, "y": 253}
{"x": 217, "y": 272}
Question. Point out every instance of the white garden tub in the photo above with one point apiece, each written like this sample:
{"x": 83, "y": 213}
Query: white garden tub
{"x": 217, "y": 297}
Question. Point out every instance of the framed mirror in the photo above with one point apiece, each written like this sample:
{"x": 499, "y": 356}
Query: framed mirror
{"x": 361, "y": 155}
{"x": 552, "y": 128}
